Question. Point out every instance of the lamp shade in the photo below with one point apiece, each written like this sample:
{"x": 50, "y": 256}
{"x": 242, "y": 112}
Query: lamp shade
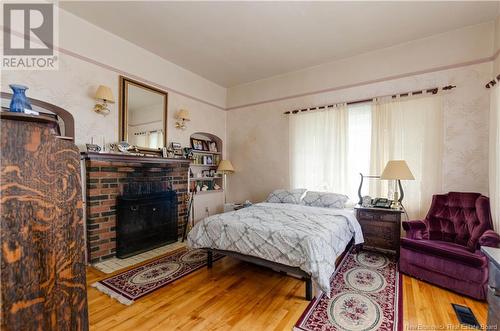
{"x": 183, "y": 114}
{"x": 225, "y": 166}
{"x": 396, "y": 169}
{"x": 104, "y": 93}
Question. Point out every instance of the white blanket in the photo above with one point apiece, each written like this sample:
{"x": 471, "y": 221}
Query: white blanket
{"x": 310, "y": 238}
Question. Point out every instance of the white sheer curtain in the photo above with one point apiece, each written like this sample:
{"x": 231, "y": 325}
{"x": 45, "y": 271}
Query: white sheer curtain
{"x": 359, "y": 147}
{"x": 151, "y": 139}
{"x": 318, "y": 149}
{"x": 494, "y": 173}
{"x": 155, "y": 139}
{"x": 410, "y": 129}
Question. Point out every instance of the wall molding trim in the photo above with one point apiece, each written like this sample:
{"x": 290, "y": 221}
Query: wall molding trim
{"x": 122, "y": 72}
{"x": 135, "y": 77}
{"x": 493, "y": 57}
{"x": 373, "y": 81}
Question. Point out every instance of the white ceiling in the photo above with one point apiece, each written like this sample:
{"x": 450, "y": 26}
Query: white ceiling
{"x": 232, "y": 43}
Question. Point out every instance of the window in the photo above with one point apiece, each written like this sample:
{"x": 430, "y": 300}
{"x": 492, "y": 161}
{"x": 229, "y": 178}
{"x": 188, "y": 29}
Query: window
{"x": 330, "y": 148}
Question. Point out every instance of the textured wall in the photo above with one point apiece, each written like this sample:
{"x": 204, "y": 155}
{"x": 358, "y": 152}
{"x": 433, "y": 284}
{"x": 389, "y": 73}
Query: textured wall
{"x": 258, "y": 135}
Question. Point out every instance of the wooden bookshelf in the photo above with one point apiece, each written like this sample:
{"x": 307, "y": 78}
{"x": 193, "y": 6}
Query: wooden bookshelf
{"x": 205, "y": 160}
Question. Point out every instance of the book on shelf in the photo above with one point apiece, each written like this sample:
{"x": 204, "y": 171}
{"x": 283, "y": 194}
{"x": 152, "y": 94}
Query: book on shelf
{"x": 208, "y": 160}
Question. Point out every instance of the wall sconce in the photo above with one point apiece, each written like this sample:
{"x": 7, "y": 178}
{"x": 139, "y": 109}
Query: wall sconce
{"x": 105, "y": 94}
{"x": 183, "y": 116}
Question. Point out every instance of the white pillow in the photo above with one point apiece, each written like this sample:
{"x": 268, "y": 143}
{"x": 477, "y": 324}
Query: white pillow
{"x": 286, "y": 196}
{"x": 325, "y": 199}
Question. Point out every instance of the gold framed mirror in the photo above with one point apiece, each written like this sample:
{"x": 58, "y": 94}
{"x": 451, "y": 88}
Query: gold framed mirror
{"x": 143, "y": 114}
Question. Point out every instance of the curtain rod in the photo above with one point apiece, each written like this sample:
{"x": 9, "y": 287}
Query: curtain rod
{"x": 493, "y": 82}
{"x": 433, "y": 90}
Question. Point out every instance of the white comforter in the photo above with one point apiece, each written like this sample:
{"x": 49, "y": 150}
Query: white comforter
{"x": 310, "y": 238}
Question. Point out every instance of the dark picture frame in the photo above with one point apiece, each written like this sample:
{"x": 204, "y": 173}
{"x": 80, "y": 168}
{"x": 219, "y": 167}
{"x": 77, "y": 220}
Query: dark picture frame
{"x": 212, "y": 146}
{"x": 199, "y": 144}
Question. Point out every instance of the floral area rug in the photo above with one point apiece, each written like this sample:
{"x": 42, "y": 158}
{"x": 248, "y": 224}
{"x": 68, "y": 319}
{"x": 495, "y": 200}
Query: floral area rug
{"x": 130, "y": 285}
{"x": 366, "y": 295}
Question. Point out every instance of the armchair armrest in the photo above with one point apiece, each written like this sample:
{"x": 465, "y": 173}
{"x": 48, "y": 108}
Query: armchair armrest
{"x": 413, "y": 225}
{"x": 414, "y": 229}
{"x": 489, "y": 238}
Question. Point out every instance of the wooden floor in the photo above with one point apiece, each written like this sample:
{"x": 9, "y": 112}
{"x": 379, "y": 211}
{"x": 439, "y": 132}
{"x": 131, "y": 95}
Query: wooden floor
{"x": 239, "y": 296}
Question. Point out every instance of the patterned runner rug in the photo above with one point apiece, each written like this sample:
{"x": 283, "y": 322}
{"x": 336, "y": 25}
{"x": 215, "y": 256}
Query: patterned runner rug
{"x": 130, "y": 285}
{"x": 366, "y": 295}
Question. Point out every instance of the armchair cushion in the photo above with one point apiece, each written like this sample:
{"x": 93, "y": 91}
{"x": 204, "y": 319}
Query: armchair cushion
{"x": 460, "y": 218}
{"x": 451, "y": 251}
{"x": 489, "y": 238}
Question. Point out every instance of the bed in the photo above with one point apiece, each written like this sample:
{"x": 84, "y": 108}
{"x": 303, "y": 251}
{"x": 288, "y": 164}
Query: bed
{"x": 292, "y": 238}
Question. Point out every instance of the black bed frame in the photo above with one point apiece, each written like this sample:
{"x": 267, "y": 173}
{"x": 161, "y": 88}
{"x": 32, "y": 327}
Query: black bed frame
{"x": 282, "y": 268}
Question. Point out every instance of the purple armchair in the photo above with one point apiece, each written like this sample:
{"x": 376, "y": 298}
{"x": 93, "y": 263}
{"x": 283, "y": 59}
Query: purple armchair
{"x": 443, "y": 249}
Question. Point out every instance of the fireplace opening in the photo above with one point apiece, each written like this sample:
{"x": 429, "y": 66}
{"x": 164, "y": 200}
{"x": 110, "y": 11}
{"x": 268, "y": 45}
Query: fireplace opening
{"x": 145, "y": 221}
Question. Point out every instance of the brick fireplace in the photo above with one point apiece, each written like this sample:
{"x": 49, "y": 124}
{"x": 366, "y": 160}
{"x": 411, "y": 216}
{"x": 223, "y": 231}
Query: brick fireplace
{"x": 111, "y": 175}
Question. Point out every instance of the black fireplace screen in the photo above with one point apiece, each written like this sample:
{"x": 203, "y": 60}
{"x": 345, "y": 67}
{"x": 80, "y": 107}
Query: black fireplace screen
{"x": 145, "y": 222}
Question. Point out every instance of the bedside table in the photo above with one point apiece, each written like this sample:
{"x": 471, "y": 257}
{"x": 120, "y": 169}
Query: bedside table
{"x": 381, "y": 227}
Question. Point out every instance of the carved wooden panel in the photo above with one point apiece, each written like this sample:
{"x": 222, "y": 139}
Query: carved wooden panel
{"x": 42, "y": 235}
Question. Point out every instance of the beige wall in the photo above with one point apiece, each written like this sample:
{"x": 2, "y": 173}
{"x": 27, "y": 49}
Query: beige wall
{"x": 258, "y": 131}
{"x": 471, "y": 43}
{"x": 91, "y": 57}
{"x": 258, "y": 135}
{"x": 496, "y": 65}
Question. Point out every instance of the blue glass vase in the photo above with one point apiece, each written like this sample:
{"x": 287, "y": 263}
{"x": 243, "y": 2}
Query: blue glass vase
{"x": 19, "y": 102}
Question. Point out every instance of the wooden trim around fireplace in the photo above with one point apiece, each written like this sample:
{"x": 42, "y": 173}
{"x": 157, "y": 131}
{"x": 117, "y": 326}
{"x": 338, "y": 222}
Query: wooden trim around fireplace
{"x": 130, "y": 158}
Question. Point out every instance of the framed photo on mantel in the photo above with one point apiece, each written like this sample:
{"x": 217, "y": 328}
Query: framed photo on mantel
{"x": 199, "y": 144}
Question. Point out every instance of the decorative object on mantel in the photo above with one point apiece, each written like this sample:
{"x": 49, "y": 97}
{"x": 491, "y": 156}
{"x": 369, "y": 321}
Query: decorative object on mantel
{"x": 176, "y": 149}
{"x": 225, "y": 167}
{"x": 188, "y": 153}
{"x": 93, "y": 148}
{"x": 183, "y": 116}
{"x": 19, "y": 102}
{"x": 105, "y": 94}
{"x": 397, "y": 170}
{"x": 125, "y": 147}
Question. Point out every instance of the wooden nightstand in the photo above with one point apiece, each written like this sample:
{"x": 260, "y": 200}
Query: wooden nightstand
{"x": 381, "y": 227}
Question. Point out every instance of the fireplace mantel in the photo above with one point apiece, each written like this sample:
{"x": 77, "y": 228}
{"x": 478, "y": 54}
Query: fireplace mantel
{"x": 122, "y": 157}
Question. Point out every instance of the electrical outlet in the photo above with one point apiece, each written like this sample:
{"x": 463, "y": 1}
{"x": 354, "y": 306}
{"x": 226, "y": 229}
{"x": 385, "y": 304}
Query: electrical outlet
{"x": 206, "y": 210}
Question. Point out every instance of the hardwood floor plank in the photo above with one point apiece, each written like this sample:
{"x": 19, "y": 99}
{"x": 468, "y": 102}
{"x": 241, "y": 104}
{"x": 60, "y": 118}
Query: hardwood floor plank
{"x": 239, "y": 296}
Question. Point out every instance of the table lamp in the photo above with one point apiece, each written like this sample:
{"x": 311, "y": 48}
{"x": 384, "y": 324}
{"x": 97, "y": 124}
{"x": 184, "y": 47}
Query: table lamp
{"x": 225, "y": 167}
{"x": 397, "y": 170}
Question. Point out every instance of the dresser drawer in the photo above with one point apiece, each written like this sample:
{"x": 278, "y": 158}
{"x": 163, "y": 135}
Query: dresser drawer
{"x": 381, "y": 227}
{"x": 378, "y": 216}
{"x": 380, "y": 234}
